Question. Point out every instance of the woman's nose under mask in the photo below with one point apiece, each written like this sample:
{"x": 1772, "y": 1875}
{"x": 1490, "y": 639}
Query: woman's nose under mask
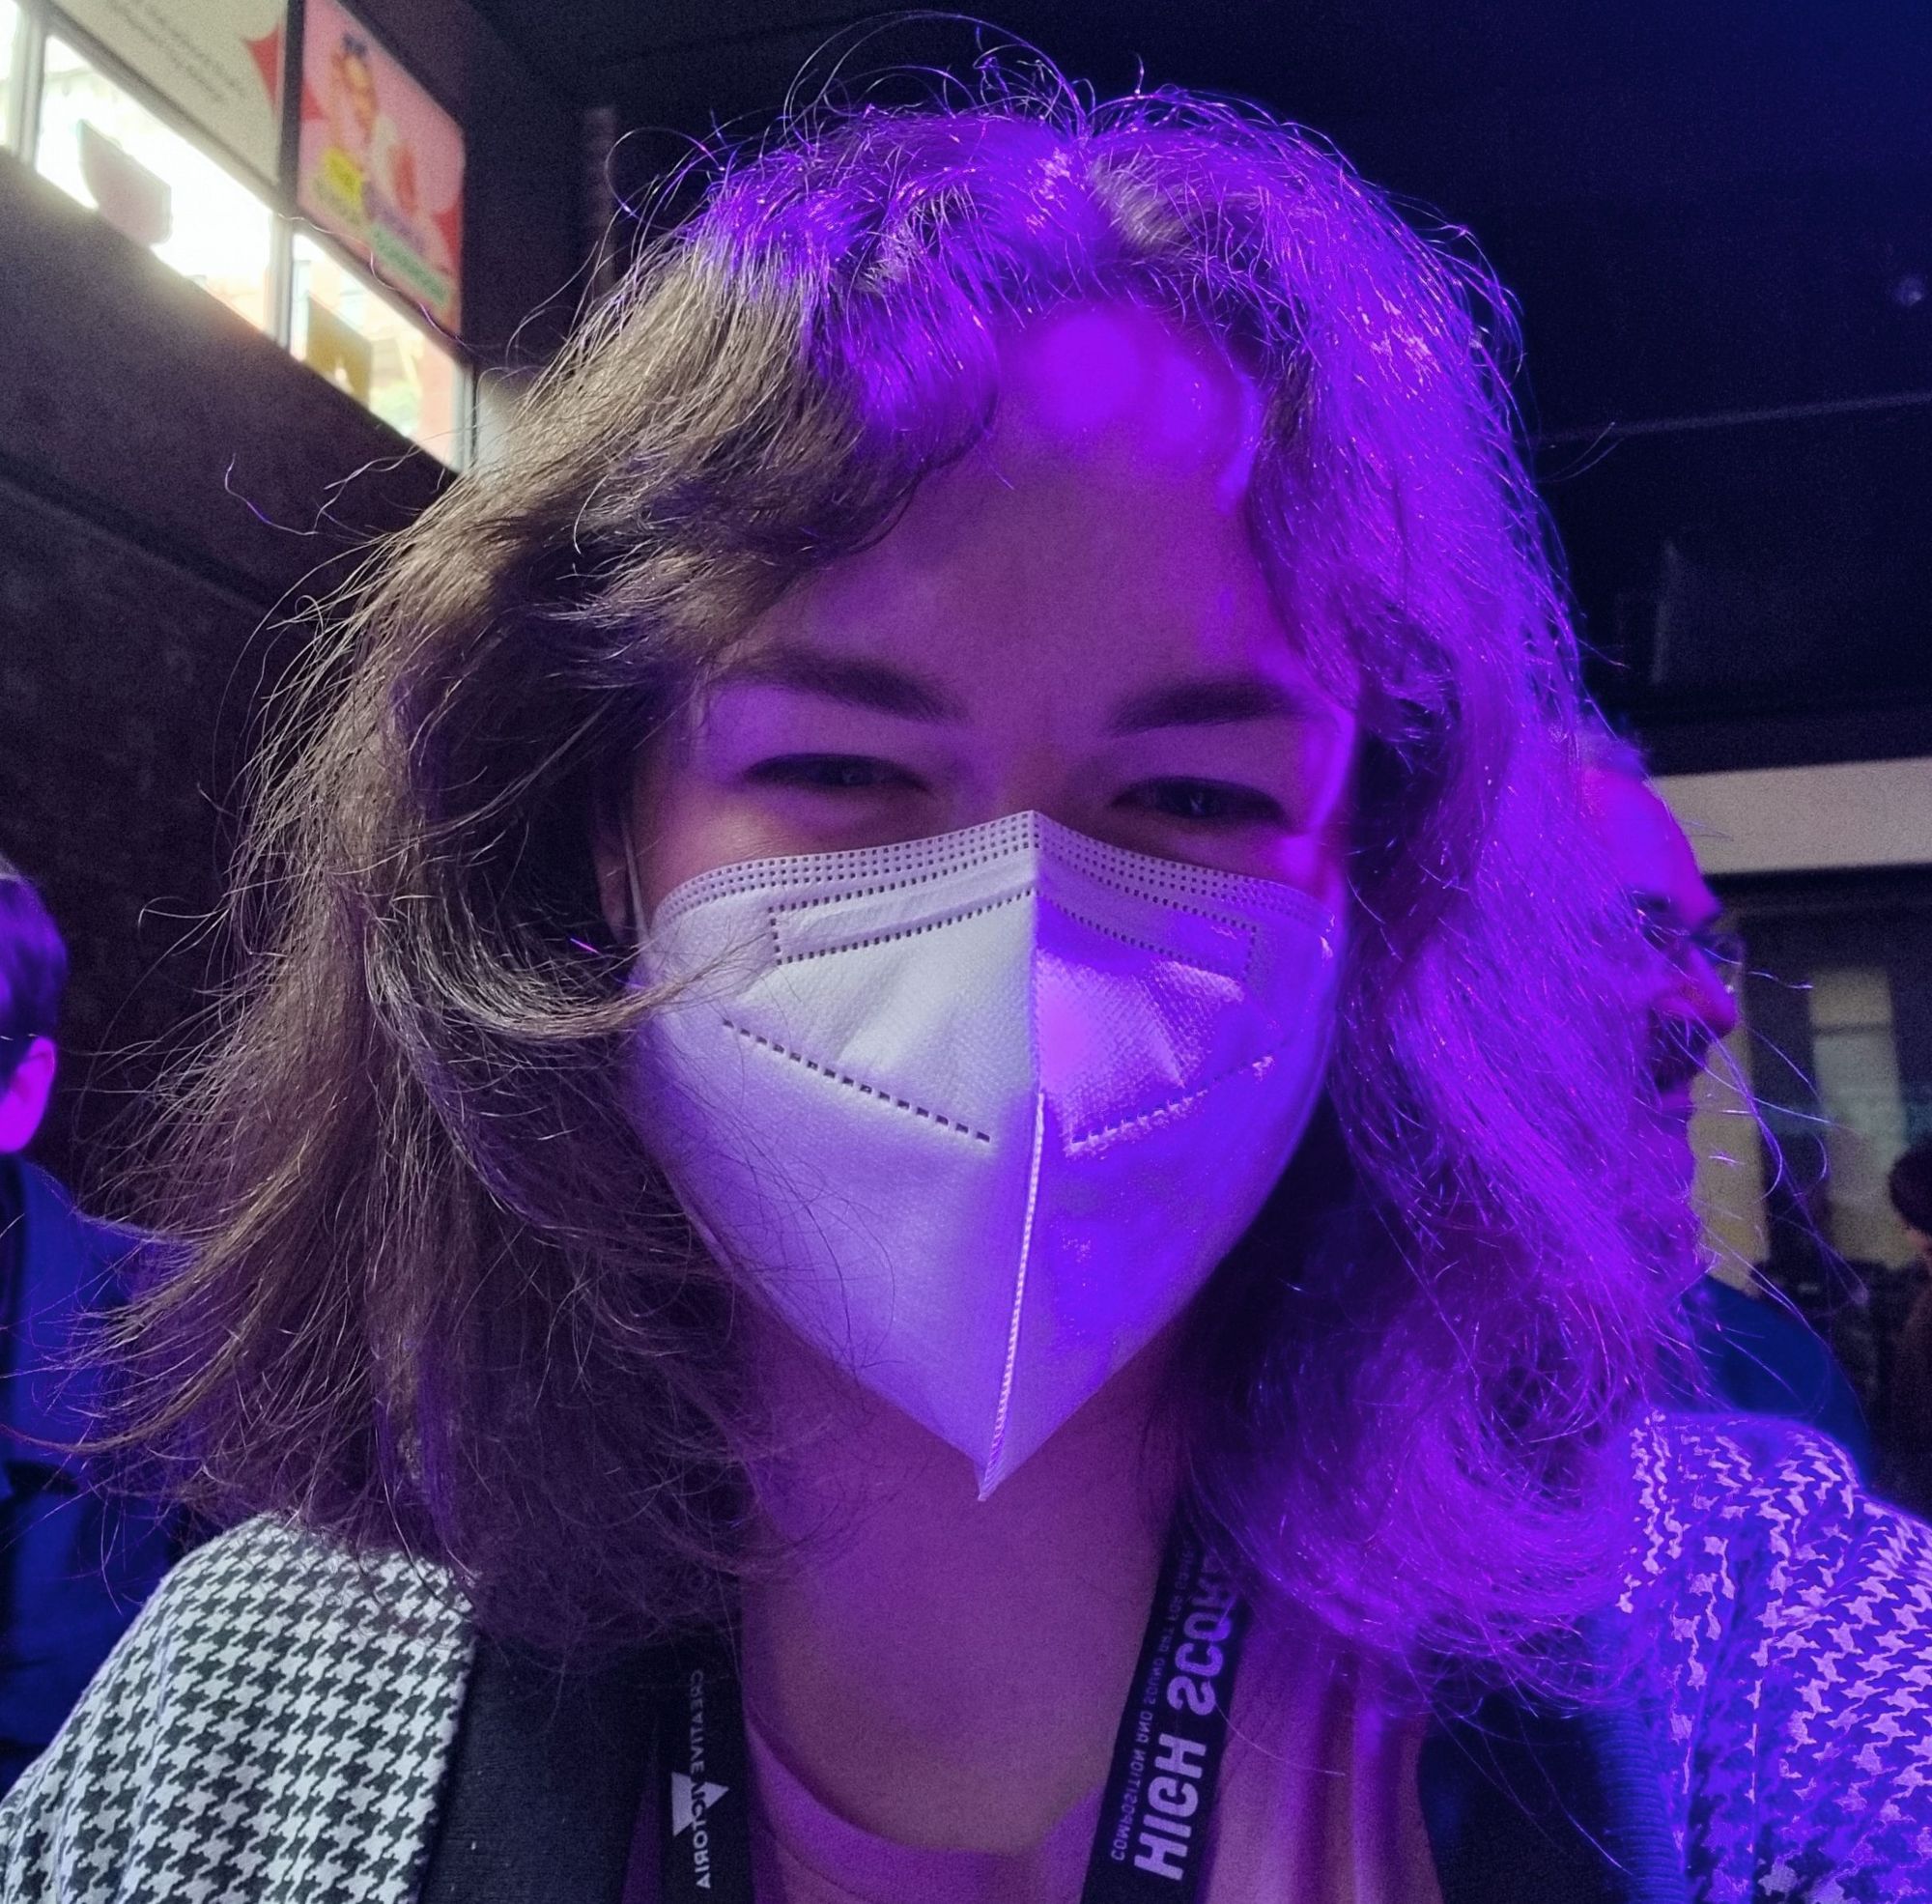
{"x": 977, "y": 1115}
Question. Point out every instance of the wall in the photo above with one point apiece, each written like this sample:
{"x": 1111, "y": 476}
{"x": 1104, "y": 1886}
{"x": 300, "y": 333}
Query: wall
{"x": 167, "y": 478}
{"x": 171, "y": 486}
{"x": 1806, "y": 819}
{"x": 521, "y": 247}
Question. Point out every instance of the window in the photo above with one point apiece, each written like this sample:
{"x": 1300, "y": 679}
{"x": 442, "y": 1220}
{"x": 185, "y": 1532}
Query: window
{"x": 347, "y": 331}
{"x": 129, "y": 131}
{"x": 12, "y": 80}
{"x": 1855, "y": 1062}
{"x": 1729, "y": 1188}
{"x": 1838, "y": 995}
{"x": 102, "y": 147}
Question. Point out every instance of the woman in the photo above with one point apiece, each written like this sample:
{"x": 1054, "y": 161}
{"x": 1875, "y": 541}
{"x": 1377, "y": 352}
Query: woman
{"x": 940, "y": 981}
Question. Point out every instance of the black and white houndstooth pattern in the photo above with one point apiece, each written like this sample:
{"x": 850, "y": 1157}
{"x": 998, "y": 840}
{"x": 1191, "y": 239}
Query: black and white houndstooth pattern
{"x": 1782, "y": 1623}
{"x": 276, "y": 1727}
{"x": 271, "y": 1729}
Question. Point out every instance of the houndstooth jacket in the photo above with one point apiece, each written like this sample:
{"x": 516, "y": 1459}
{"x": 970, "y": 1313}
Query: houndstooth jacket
{"x": 279, "y": 1723}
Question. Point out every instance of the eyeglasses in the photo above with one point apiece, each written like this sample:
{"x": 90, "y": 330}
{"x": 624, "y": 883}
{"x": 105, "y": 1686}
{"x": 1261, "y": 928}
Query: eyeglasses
{"x": 1723, "y": 952}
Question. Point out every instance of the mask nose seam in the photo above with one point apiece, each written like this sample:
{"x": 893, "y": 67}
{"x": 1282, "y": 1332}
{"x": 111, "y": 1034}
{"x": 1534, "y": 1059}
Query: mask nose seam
{"x": 1007, "y": 1374}
{"x": 1009, "y": 1368}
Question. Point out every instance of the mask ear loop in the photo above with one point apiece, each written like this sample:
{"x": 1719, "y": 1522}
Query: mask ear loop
{"x": 630, "y": 878}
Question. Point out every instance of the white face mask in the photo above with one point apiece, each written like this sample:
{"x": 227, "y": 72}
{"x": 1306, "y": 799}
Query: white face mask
{"x": 979, "y": 1115}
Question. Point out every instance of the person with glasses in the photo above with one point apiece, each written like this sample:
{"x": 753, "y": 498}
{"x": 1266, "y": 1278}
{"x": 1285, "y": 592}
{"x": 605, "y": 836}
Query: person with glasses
{"x": 1685, "y": 989}
{"x": 74, "y": 1567}
{"x": 1757, "y": 1353}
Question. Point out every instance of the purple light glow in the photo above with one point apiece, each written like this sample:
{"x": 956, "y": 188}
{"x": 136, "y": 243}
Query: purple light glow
{"x": 1095, "y": 372}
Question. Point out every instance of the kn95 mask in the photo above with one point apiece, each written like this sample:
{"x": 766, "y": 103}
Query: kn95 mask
{"x": 977, "y": 1115}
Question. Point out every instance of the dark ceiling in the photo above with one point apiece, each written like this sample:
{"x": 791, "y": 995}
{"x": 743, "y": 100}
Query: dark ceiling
{"x": 1703, "y": 207}
{"x": 1505, "y": 98}
{"x": 1706, "y": 210}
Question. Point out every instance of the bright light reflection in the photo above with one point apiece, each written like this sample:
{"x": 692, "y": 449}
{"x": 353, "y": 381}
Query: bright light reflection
{"x": 108, "y": 151}
{"x": 9, "y": 60}
{"x": 345, "y": 330}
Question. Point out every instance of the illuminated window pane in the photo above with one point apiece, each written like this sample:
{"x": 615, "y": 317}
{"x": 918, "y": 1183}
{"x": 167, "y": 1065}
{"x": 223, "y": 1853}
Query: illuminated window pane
{"x": 101, "y": 146}
{"x": 351, "y": 334}
{"x": 12, "y": 80}
{"x": 1729, "y": 1193}
{"x": 1855, "y": 1058}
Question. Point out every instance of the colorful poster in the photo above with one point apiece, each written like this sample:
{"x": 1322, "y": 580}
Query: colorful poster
{"x": 218, "y": 60}
{"x": 381, "y": 163}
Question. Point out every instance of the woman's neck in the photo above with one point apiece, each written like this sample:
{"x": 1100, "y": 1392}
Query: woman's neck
{"x": 941, "y": 1670}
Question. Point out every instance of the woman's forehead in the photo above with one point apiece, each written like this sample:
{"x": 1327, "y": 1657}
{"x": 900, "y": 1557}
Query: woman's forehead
{"x": 1118, "y": 384}
{"x": 1095, "y": 535}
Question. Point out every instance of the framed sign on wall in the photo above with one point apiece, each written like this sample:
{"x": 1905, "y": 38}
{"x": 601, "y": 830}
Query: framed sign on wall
{"x": 380, "y": 163}
{"x": 220, "y": 62}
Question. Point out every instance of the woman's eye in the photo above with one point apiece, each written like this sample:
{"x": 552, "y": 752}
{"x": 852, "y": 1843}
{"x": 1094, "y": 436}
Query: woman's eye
{"x": 1204, "y": 803}
{"x": 831, "y": 773}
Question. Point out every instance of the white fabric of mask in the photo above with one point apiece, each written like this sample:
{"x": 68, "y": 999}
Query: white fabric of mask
{"x": 977, "y": 1115}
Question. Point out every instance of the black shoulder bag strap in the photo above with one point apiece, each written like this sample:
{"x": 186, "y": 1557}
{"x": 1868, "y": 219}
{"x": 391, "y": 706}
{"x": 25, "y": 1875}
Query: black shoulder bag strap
{"x": 1526, "y": 1805}
{"x": 545, "y": 1781}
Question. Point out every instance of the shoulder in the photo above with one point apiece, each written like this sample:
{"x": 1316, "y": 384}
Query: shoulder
{"x": 1780, "y": 1621}
{"x": 87, "y": 1256}
{"x": 1755, "y": 1529}
{"x": 1739, "y": 1480}
{"x": 271, "y": 1605}
{"x": 1763, "y": 1358}
{"x": 278, "y": 1698}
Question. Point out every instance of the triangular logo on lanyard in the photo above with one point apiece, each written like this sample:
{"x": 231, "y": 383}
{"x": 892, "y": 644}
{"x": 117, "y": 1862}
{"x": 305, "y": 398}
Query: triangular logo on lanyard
{"x": 690, "y": 1804}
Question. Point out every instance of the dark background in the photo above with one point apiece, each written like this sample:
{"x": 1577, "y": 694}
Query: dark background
{"x": 1718, "y": 218}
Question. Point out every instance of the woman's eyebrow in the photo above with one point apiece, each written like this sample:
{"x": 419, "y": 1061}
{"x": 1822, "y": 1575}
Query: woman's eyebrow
{"x": 858, "y": 682}
{"x": 1210, "y": 702}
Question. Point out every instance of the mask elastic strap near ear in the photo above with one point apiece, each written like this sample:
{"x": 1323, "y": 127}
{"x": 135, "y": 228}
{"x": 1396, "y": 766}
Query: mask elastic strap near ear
{"x": 630, "y": 878}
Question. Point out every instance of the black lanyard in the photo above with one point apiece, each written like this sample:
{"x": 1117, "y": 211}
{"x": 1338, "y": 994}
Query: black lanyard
{"x": 1152, "y": 1842}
